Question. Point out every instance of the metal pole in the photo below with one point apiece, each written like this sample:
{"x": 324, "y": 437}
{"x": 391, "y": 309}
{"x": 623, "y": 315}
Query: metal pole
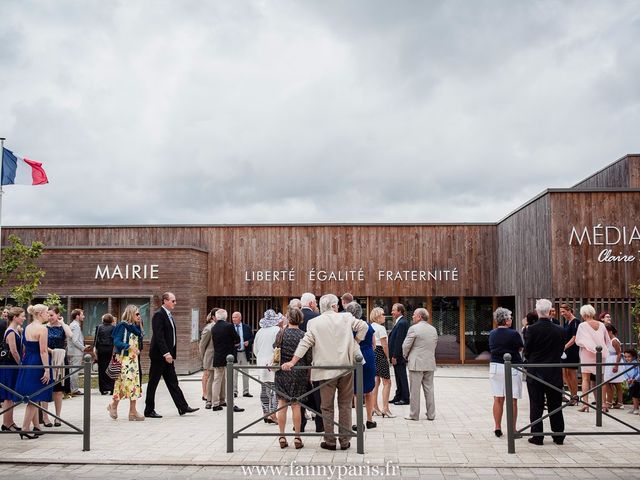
{"x": 359, "y": 404}
{"x": 86, "y": 424}
{"x": 508, "y": 400}
{"x": 229, "y": 380}
{"x": 599, "y": 389}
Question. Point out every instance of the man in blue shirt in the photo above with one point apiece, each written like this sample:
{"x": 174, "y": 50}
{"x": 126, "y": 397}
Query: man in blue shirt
{"x": 244, "y": 352}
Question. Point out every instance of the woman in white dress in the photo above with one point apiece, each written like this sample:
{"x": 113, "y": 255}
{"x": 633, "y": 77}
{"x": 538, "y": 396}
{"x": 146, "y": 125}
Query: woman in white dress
{"x": 263, "y": 350}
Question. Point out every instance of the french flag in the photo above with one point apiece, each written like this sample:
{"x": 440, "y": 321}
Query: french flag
{"x": 21, "y": 171}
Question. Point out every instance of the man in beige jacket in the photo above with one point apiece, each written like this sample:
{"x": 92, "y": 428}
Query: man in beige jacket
{"x": 330, "y": 336}
{"x": 419, "y": 348}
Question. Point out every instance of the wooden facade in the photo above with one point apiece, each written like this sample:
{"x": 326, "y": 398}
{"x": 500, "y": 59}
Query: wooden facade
{"x": 531, "y": 253}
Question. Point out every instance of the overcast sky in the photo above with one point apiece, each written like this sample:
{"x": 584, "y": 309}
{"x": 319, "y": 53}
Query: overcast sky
{"x": 311, "y": 111}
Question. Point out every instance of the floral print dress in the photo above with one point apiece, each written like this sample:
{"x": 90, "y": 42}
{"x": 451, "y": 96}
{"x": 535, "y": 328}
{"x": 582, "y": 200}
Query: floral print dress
{"x": 127, "y": 385}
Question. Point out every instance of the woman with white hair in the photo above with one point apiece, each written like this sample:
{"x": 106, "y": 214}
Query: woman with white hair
{"x": 503, "y": 339}
{"x": 263, "y": 350}
{"x": 591, "y": 334}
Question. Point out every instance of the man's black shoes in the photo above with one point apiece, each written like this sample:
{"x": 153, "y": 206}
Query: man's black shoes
{"x": 153, "y": 414}
{"x": 188, "y": 410}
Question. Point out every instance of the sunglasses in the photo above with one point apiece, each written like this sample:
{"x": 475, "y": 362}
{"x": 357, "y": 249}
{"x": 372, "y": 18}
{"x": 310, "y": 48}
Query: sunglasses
{"x": 137, "y": 314}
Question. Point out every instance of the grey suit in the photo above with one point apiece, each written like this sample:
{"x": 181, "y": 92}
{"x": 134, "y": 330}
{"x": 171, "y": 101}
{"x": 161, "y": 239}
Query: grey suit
{"x": 419, "y": 348}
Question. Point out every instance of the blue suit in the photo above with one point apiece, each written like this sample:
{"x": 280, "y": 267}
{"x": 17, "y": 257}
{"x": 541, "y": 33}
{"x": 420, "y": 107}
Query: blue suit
{"x": 396, "y": 338}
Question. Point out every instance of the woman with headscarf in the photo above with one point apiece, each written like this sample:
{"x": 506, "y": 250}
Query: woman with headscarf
{"x": 263, "y": 347}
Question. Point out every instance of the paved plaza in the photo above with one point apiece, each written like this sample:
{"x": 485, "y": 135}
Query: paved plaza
{"x": 459, "y": 444}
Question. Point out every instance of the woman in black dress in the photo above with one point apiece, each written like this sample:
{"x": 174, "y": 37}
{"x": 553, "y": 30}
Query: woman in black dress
{"x": 292, "y": 383}
{"x": 103, "y": 351}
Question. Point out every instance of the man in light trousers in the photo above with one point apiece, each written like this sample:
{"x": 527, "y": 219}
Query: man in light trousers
{"x": 75, "y": 348}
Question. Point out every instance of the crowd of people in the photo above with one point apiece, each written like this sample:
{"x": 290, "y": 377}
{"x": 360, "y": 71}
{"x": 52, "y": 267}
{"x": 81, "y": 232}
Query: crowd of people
{"x": 543, "y": 340}
{"x": 330, "y": 334}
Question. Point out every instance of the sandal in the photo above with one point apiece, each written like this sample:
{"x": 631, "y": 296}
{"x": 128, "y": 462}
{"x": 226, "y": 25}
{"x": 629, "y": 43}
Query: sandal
{"x": 297, "y": 442}
{"x": 283, "y": 442}
{"x": 585, "y": 408}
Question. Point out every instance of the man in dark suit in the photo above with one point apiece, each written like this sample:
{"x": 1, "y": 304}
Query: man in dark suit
{"x": 225, "y": 342}
{"x": 243, "y": 355}
{"x": 396, "y": 339}
{"x": 545, "y": 344}
{"x": 309, "y": 311}
{"x": 162, "y": 353}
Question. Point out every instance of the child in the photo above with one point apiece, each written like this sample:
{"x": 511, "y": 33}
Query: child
{"x": 633, "y": 379}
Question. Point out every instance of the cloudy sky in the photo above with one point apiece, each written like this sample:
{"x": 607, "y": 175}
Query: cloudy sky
{"x": 311, "y": 111}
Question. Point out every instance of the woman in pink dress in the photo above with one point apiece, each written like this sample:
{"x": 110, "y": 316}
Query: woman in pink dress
{"x": 591, "y": 334}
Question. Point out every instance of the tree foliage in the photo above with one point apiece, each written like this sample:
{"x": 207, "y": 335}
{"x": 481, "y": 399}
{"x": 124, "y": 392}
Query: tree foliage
{"x": 53, "y": 300}
{"x": 19, "y": 270}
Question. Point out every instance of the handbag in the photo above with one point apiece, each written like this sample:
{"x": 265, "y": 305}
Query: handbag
{"x": 277, "y": 348}
{"x": 114, "y": 368}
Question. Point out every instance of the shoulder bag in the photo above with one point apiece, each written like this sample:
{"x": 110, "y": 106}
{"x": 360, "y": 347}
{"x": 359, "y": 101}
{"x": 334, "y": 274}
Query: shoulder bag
{"x": 115, "y": 365}
{"x": 277, "y": 348}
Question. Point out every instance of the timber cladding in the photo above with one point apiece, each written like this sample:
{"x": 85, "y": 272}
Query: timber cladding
{"x": 371, "y": 260}
{"x": 602, "y": 257}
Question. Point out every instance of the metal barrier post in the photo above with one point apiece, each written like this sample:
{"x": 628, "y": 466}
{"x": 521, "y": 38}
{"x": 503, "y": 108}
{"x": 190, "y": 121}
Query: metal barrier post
{"x": 86, "y": 423}
{"x": 229, "y": 380}
{"x": 599, "y": 389}
{"x": 359, "y": 405}
{"x": 508, "y": 400}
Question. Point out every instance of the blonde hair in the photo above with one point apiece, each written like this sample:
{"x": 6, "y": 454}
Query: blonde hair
{"x": 375, "y": 313}
{"x": 129, "y": 314}
{"x": 37, "y": 309}
{"x": 588, "y": 311}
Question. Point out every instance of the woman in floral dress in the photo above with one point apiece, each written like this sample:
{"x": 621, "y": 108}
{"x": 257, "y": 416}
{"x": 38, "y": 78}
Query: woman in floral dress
{"x": 126, "y": 341}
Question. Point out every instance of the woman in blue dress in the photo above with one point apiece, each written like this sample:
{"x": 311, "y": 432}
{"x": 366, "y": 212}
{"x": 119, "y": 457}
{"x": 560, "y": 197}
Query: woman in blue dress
{"x": 32, "y": 381}
{"x": 8, "y": 377}
{"x": 369, "y": 368}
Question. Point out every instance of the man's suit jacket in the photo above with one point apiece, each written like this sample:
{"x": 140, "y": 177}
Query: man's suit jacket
{"x": 163, "y": 336}
{"x": 545, "y": 344}
{"x": 419, "y": 347}
{"x": 205, "y": 347}
{"x": 247, "y": 335}
{"x": 225, "y": 341}
{"x": 307, "y": 314}
{"x": 396, "y": 339}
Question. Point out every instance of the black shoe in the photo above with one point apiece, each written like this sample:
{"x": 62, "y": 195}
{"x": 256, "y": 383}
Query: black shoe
{"x": 237, "y": 409}
{"x": 346, "y": 446}
{"x": 57, "y": 424}
{"x": 401, "y": 402}
{"x": 497, "y": 432}
{"x": 216, "y": 409}
{"x": 536, "y": 441}
{"x": 327, "y": 446}
{"x": 247, "y": 395}
{"x": 208, "y": 406}
{"x": 204, "y": 399}
{"x": 371, "y": 424}
{"x": 48, "y": 425}
{"x": 223, "y": 404}
{"x": 558, "y": 441}
{"x": 26, "y": 436}
{"x": 152, "y": 414}
{"x": 188, "y": 410}
{"x": 235, "y": 395}
{"x": 394, "y": 400}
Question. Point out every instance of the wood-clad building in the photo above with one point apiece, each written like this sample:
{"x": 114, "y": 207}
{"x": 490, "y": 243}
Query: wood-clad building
{"x": 576, "y": 245}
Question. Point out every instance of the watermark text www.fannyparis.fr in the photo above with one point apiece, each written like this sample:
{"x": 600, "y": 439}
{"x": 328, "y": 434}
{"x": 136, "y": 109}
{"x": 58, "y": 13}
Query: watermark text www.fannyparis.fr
{"x": 329, "y": 472}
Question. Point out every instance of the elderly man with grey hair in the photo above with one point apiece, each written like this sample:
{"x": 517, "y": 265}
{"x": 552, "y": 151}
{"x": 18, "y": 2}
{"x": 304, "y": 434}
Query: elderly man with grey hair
{"x": 504, "y": 339}
{"x": 419, "y": 348}
{"x": 309, "y": 309}
{"x": 545, "y": 344}
{"x": 330, "y": 336}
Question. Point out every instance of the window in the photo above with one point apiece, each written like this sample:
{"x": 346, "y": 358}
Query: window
{"x": 94, "y": 309}
{"x": 478, "y": 323}
{"x": 446, "y": 319}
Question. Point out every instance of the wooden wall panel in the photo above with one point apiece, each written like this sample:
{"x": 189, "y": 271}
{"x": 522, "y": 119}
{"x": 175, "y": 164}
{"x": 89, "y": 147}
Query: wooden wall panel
{"x": 524, "y": 256}
{"x": 615, "y": 175}
{"x": 634, "y": 171}
{"x": 576, "y": 269}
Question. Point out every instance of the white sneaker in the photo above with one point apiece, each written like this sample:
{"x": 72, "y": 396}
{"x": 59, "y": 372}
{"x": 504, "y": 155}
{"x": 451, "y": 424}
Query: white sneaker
{"x": 633, "y": 412}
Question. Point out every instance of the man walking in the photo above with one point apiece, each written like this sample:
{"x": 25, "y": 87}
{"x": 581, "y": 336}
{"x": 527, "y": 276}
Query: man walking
{"x": 331, "y": 337}
{"x": 545, "y": 344}
{"x": 419, "y": 348}
{"x": 225, "y": 343}
{"x": 243, "y": 354}
{"x": 163, "y": 352}
{"x": 396, "y": 339}
{"x": 75, "y": 349}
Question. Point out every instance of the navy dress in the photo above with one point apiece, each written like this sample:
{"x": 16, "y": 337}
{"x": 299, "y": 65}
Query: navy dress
{"x": 369, "y": 368}
{"x": 8, "y": 376}
{"x": 28, "y": 381}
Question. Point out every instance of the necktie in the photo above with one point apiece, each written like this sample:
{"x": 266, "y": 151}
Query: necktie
{"x": 173, "y": 327}
{"x": 241, "y": 346}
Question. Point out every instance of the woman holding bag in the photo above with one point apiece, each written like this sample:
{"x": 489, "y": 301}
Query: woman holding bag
{"x": 103, "y": 351}
{"x": 127, "y": 336}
